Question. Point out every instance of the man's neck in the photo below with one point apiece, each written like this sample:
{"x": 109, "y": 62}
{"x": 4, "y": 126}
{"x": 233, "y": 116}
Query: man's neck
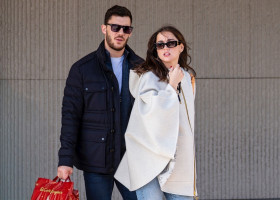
{"x": 114, "y": 53}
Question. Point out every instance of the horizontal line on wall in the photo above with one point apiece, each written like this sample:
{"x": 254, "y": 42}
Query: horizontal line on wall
{"x": 238, "y": 78}
{"x": 210, "y": 78}
{"x": 32, "y": 79}
{"x": 247, "y": 199}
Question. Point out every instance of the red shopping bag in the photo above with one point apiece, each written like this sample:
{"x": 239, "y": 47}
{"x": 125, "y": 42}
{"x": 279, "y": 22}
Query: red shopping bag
{"x": 46, "y": 189}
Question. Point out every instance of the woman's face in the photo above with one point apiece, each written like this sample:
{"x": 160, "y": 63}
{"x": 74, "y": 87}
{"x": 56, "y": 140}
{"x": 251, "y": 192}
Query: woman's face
{"x": 169, "y": 56}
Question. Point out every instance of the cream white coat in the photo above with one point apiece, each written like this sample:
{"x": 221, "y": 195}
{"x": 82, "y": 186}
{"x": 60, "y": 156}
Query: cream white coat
{"x": 159, "y": 127}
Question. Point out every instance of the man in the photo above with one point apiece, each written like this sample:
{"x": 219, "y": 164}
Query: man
{"x": 96, "y": 108}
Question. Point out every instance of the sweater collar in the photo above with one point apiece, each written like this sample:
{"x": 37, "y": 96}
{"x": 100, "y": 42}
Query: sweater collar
{"x": 128, "y": 53}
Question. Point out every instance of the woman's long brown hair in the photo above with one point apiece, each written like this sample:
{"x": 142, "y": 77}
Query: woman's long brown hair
{"x": 153, "y": 62}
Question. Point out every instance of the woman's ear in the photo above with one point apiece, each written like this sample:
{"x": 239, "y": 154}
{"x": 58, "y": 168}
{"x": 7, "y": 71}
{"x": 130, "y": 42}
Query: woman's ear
{"x": 182, "y": 47}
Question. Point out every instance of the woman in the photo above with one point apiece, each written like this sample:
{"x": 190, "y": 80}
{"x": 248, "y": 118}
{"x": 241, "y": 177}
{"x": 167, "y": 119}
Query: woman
{"x": 160, "y": 156}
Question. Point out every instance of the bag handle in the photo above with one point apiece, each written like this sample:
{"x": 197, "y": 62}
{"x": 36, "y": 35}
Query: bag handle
{"x": 59, "y": 179}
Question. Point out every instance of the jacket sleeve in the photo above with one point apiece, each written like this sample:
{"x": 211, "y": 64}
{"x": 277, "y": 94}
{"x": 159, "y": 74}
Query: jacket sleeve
{"x": 72, "y": 110}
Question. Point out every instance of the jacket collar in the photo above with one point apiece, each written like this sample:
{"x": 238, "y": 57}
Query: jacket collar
{"x": 132, "y": 58}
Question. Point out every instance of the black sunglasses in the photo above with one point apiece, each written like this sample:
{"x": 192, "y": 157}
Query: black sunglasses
{"x": 117, "y": 28}
{"x": 170, "y": 44}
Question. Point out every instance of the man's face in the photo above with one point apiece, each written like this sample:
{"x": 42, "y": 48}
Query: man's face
{"x": 116, "y": 40}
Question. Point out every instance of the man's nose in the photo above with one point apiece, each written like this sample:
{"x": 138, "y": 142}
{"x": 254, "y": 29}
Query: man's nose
{"x": 121, "y": 31}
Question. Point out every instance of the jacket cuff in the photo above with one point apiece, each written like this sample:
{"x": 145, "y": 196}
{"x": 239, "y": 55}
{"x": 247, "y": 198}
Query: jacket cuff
{"x": 65, "y": 161}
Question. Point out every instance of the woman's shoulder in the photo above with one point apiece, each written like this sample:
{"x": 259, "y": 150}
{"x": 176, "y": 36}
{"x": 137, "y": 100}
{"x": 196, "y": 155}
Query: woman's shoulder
{"x": 149, "y": 75}
{"x": 146, "y": 80}
{"x": 150, "y": 80}
{"x": 187, "y": 75}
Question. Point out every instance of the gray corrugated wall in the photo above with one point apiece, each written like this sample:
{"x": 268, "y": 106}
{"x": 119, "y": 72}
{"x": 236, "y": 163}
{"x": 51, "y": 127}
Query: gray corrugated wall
{"x": 235, "y": 51}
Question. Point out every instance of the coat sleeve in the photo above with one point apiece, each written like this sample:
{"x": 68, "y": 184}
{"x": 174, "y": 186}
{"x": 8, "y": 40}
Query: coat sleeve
{"x": 158, "y": 116}
{"x": 152, "y": 132}
{"x": 72, "y": 109}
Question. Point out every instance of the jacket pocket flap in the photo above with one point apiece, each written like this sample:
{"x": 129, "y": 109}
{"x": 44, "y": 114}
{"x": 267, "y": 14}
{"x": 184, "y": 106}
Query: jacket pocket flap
{"x": 95, "y": 87}
{"x": 94, "y": 136}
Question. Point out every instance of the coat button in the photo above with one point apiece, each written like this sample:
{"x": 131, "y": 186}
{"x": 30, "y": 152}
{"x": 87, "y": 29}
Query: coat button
{"x": 112, "y": 169}
{"x": 112, "y": 130}
{"x": 112, "y": 150}
{"x": 86, "y": 89}
{"x": 112, "y": 88}
{"x": 112, "y": 109}
{"x": 120, "y": 99}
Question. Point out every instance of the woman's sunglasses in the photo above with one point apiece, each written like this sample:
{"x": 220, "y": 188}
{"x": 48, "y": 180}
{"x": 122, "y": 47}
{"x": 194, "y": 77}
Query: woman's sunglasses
{"x": 117, "y": 28}
{"x": 170, "y": 44}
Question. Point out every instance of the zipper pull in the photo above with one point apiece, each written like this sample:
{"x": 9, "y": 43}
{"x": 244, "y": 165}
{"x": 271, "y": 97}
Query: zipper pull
{"x": 179, "y": 98}
{"x": 179, "y": 91}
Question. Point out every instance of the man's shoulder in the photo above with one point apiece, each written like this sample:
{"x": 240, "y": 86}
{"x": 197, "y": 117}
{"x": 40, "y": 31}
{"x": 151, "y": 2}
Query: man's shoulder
{"x": 133, "y": 57}
{"x": 85, "y": 60}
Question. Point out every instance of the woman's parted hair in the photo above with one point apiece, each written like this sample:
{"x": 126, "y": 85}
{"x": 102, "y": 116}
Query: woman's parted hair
{"x": 153, "y": 62}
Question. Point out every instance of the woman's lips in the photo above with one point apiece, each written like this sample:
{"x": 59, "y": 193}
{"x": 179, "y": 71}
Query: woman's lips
{"x": 166, "y": 54}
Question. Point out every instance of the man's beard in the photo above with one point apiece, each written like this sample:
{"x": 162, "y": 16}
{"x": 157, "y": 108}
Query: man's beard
{"x": 111, "y": 44}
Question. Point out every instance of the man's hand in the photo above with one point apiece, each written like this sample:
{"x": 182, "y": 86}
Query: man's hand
{"x": 64, "y": 171}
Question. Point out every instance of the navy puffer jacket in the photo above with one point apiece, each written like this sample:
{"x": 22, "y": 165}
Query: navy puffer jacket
{"x": 91, "y": 138}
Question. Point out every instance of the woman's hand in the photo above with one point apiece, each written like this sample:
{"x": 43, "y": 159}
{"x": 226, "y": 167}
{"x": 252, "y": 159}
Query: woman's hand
{"x": 176, "y": 75}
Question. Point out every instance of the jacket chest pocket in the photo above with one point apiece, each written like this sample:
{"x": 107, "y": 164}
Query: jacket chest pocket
{"x": 95, "y": 96}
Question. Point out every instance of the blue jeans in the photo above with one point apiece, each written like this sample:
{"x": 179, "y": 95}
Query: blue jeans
{"x": 100, "y": 187}
{"x": 152, "y": 191}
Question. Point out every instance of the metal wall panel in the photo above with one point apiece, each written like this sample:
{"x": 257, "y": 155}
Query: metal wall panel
{"x": 222, "y": 38}
{"x": 15, "y": 135}
{"x": 237, "y": 135}
{"x": 91, "y": 17}
{"x": 265, "y": 38}
{"x": 235, "y": 51}
{"x": 264, "y": 138}
{"x": 40, "y": 38}
{"x": 151, "y": 15}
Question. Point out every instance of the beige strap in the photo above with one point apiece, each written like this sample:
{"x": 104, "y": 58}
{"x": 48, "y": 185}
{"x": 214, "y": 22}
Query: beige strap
{"x": 194, "y": 186}
{"x": 193, "y": 82}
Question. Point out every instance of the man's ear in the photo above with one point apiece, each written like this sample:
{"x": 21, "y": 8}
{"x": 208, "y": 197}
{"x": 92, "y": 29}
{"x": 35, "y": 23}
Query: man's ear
{"x": 103, "y": 29}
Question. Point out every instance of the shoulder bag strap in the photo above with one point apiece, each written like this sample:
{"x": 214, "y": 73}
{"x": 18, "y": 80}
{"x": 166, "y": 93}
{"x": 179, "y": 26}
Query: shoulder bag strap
{"x": 194, "y": 186}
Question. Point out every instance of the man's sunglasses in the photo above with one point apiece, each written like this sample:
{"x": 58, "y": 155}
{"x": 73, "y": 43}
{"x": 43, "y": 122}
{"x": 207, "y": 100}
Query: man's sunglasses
{"x": 117, "y": 28}
{"x": 170, "y": 44}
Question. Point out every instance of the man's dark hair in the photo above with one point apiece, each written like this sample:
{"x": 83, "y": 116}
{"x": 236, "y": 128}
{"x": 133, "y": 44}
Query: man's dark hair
{"x": 118, "y": 11}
